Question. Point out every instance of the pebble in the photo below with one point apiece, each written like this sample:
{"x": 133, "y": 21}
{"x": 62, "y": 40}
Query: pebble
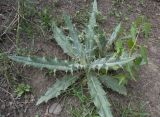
{"x": 55, "y": 109}
{"x": 3, "y": 106}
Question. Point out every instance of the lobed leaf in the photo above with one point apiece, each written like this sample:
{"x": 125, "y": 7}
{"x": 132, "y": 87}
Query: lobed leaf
{"x": 57, "y": 88}
{"x": 110, "y": 63}
{"x": 101, "y": 42}
{"x": 63, "y": 42}
{"x": 114, "y": 35}
{"x": 48, "y": 63}
{"x": 90, "y": 35}
{"x": 113, "y": 84}
{"x": 92, "y": 20}
{"x": 76, "y": 43}
{"x": 99, "y": 96}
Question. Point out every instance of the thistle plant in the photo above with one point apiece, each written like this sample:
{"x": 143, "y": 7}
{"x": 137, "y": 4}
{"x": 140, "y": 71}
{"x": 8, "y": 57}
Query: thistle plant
{"x": 102, "y": 61}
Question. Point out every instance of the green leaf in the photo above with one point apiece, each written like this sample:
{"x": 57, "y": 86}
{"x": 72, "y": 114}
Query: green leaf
{"x": 113, "y": 83}
{"x": 130, "y": 43}
{"x": 92, "y": 20}
{"x": 76, "y": 44}
{"x": 110, "y": 63}
{"x": 144, "y": 54}
{"x": 114, "y": 35}
{"x": 119, "y": 47}
{"x": 90, "y": 35}
{"x": 133, "y": 31}
{"x": 22, "y": 89}
{"x": 57, "y": 88}
{"x": 146, "y": 29}
{"x": 63, "y": 42}
{"x": 122, "y": 78}
{"x": 99, "y": 96}
{"x": 101, "y": 41}
{"x": 89, "y": 41}
{"x": 48, "y": 63}
{"x": 139, "y": 20}
{"x": 138, "y": 61}
{"x": 129, "y": 69}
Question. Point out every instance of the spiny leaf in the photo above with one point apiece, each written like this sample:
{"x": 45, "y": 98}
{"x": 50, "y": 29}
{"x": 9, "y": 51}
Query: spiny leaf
{"x": 89, "y": 42}
{"x": 92, "y": 20}
{"x": 63, "y": 42}
{"x": 76, "y": 44}
{"x": 90, "y": 35}
{"x": 110, "y": 63}
{"x": 57, "y": 88}
{"x": 113, "y": 83}
{"x": 101, "y": 41}
{"x": 48, "y": 63}
{"x": 99, "y": 96}
{"x": 114, "y": 35}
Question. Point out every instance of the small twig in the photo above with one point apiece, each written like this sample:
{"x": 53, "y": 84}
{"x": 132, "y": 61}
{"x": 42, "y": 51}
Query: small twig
{"x": 46, "y": 112}
{"x": 43, "y": 33}
{"x": 10, "y": 40}
{"x": 10, "y": 95}
{"x": 1, "y": 100}
{"x": 12, "y": 23}
{"x": 18, "y": 27}
{"x": 6, "y": 91}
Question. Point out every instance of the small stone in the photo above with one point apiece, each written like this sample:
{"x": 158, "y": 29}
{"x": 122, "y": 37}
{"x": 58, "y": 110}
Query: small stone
{"x": 32, "y": 99}
{"x": 10, "y": 103}
{"x": 3, "y": 106}
{"x": 55, "y": 109}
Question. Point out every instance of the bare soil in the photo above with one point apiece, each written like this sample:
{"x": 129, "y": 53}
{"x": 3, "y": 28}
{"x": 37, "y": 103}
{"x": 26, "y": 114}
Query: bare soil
{"x": 146, "y": 90}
